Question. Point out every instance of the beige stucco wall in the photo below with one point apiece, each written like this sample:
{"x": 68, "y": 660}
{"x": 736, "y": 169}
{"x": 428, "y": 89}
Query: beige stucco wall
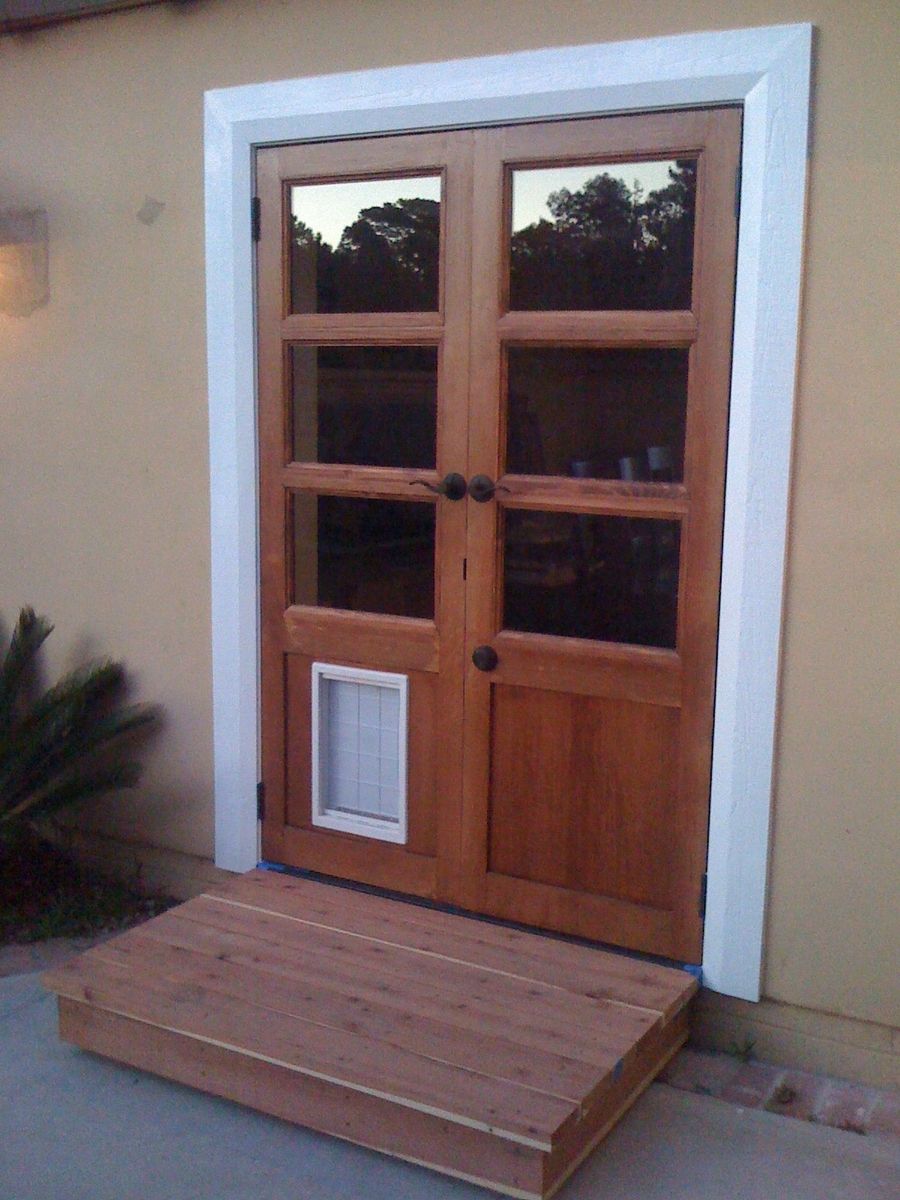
{"x": 103, "y": 470}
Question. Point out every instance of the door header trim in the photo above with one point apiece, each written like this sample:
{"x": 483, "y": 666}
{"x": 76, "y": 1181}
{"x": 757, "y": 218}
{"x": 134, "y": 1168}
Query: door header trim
{"x": 767, "y": 70}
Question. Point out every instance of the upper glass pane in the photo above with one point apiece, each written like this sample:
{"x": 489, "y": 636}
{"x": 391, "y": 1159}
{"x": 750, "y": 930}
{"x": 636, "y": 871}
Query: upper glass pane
{"x": 596, "y": 414}
{"x": 603, "y": 236}
{"x": 366, "y": 245}
{"x": 365, "y": 405}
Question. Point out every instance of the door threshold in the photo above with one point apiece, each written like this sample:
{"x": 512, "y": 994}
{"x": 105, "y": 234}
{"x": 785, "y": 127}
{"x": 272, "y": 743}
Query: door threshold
{"x": 694, "y": 969}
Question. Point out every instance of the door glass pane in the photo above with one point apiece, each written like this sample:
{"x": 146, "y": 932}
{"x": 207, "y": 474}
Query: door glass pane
{"x": 364, "y": 555}
{"x": 366, "y": 405}
{"x": 603, "y": 235}
{"x": 366, "y": 245}
{"x": 600, "y": 414}
{"x": 613, "y": 579}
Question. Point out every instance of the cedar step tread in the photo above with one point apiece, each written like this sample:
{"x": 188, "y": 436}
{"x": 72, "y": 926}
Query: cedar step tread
{"x": 507, "y": 1001}
{"x": 357, "y": 1010}
{"x": 602, "y": 975}
{"x": 489, "y": 1053}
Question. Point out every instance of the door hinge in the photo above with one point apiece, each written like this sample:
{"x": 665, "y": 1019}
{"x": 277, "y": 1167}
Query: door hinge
{"x": 465, "y": 567}
{"x": 737, "y": 190}
{"x": 255, "y": 208}
{"x": 260, "y": 801}
{"x": 701, "y": 903}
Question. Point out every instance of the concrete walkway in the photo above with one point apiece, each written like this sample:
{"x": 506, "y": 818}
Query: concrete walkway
{"x": 76, "y": 1127}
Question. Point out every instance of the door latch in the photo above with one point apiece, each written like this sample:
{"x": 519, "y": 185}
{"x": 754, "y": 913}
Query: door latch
{"x": 485, "y": 658}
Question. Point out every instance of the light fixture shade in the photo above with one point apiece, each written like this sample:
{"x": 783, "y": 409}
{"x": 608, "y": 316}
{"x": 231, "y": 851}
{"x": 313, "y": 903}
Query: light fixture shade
{"x": 24, "y": 261}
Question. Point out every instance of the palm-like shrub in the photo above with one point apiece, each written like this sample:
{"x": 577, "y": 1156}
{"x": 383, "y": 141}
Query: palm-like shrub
{"x": 65, "y": 744}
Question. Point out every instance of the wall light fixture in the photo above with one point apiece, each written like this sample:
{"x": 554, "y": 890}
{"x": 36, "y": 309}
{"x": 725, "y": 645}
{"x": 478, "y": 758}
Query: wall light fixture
{"x": 24, "y": 261}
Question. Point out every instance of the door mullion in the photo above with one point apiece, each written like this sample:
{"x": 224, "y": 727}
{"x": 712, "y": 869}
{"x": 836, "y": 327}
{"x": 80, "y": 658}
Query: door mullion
{"x": 454, "y": 403}
{"x": 482, "y": 540}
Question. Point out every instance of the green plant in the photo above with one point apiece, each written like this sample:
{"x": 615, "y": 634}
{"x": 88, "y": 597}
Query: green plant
{"x": 65, "y": 744}
{"x": 46, "y": 893}
{"x": 744, "y": 1050}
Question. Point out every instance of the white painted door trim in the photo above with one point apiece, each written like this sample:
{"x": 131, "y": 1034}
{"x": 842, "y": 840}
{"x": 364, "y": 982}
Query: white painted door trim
{"x": 768, "y": 71}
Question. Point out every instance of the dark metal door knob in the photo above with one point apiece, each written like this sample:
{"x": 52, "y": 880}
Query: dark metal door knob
{"x": 453, "y": 486}
{"x": 485, "y": 658}
{"x": 481, "y": 488}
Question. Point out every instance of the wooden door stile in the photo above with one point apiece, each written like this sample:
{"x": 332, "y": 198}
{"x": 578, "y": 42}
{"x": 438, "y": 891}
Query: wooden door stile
{"x": 704, "y": 473}
{"x": 272, "y": 266}
{"x": 452, "y": 432}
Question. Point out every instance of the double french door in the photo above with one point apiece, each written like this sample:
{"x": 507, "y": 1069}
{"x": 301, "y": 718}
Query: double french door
{"x": 493, "y": 395}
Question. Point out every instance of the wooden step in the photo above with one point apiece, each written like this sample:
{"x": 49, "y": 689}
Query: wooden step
{"x": 491, "y": 1054}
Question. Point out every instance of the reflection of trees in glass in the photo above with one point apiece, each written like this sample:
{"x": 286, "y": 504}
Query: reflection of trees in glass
{"x": 386, "y": 261}
{"x": 609, "y": 247}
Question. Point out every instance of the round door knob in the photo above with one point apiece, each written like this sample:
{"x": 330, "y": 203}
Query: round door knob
{"x": 453, "y": 486}
{"x": 485, "y": 658}
{"x": 482, "y": 488}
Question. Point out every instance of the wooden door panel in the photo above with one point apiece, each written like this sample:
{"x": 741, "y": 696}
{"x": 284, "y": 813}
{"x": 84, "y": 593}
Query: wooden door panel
{"x": 422, "y": 765}
{"x": 366, "y": 639}
{"x": 560, "y": 664}
{"x": 360, "y": 860}
{"x": 588, "y": 800}
{"x": 581, "y": 914}
{"x": 290, "y": 835}
{"x": 518, "y": 841}
{"x": 300, "y": 621}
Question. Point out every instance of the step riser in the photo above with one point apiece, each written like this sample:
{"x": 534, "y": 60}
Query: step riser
{"x": 469, "y": 1154}
{"x": 327, "y": 1108}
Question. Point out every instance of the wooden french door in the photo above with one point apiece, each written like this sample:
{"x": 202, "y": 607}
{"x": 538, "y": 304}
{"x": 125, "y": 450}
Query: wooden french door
{"x": 493, "y": 380}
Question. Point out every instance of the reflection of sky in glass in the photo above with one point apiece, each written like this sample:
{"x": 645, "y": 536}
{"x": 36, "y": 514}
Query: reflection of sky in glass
{"x": 328, "y": 208}
{"x": 531, "y": 187}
